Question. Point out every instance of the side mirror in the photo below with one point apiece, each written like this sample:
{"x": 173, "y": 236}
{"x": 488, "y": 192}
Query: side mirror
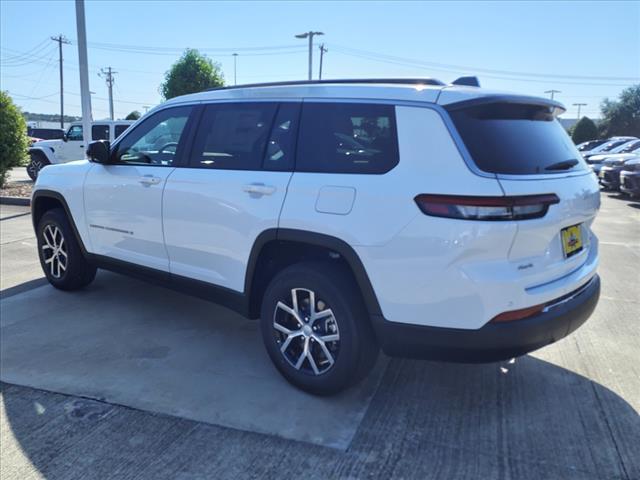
{"x": 99, "y": 151}
{"x": 65, "y": 138}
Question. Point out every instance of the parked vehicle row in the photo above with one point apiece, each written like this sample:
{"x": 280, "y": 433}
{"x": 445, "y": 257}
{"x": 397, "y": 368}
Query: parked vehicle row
{"x": 347, "y": 216}
{"x": 610, "y": 157}
{"x": 67, "y": 146}
{"x": 610, "y": 175}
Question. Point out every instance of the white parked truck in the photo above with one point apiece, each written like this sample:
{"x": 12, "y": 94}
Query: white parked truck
{"x": 72, "y": 146}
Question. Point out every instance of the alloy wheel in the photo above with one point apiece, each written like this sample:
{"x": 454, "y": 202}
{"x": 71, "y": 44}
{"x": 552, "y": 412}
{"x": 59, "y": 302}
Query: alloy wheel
{"x": 34, "y": 167}
{"x": 306, "y": 332}
{"x": 54, "y": 251}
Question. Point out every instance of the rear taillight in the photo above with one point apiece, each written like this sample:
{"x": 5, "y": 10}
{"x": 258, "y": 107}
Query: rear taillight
{"x": 486, "y": 208}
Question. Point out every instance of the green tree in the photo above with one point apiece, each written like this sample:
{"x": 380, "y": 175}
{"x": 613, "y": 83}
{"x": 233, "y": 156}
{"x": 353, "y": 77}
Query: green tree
{"x": 622, "y": 116}
{"x": 192, "y": 73}
{"x": 584, "y": 130}
{"x": 135, "y": 115}
{"x": 13, "y": 136}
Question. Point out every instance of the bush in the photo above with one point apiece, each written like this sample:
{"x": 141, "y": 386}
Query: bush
{"x": 13, "y": 136}
{"x": 135, "y": 115}
{"x": 584, "y": 131}
{"x": 192, "y": 73}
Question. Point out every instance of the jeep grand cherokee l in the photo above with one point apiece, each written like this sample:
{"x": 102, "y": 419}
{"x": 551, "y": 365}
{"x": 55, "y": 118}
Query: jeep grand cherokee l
{"x": 429, "y": 220}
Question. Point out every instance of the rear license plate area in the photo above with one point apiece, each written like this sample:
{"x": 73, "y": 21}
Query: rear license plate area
{"x": 571, "y": 240}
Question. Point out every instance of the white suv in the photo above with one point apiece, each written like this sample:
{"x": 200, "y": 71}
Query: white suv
{"x": 72, "y": 146}
{"x": 432, "y": 221}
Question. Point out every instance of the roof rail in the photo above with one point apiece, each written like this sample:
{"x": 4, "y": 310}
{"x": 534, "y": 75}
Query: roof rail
{"x": 398, "y": 81}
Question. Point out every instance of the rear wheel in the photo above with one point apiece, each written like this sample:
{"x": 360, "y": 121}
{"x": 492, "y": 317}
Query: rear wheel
{"x": 37, "y": 163}
{"x": 315, "y": 328}
{"x": 61, "y": 258}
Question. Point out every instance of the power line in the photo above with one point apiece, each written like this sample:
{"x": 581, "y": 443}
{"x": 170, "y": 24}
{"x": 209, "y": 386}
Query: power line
{"x": 323, "y": 50}
{"x": 310, "y": 35}
{"x": 108, "y": 74}
{"x": 552, "y": 92}
{"x": 61, "y": 40}
{"x": 579, "y": 105}
{"x": 464, "y": 68}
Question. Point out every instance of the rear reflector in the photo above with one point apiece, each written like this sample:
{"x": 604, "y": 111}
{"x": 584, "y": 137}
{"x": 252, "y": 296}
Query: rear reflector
{"x": 518, "y": 314}
{"x": 486, "y": 208}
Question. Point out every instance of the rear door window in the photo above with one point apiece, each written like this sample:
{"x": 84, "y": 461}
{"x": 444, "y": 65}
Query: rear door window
{"x": 119, "y": 130}
{"x": 233, "y": 136}
{"x": 100, "y": 132}
{"x": 516, "y": 139}
{"x": 347, "y": 138}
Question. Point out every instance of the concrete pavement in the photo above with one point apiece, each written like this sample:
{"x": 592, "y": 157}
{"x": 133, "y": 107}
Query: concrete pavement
{"x": 19, "y": 267}
{"x": 567, "y": 411}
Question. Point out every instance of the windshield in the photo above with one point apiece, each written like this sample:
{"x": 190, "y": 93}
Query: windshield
{"x": 628, "y": 147}
{"x": 607, "y": 147}
{"x": 516, "y": 139}
{"x": 586, "y": 146}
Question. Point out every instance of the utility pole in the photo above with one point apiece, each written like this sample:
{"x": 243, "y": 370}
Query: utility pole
{"x": 61, "y": 40}
{"x": 108, "y": 75}
{"x": 322, "y": 52}
{"x": 552, "y": 92}
{"x": 579, "y": 105}
{"x": 235, "y": 77}
{"x": 85, "y": 93}
{"x": 310, "y": 36}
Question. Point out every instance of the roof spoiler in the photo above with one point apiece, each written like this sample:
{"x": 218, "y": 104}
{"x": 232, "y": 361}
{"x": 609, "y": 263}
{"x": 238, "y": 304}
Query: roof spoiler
{"x": 467, "y": 81}
{"x": 554, "y": 107}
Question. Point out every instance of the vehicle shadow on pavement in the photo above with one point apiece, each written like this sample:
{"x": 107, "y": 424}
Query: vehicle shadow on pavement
{"x": 634, "y": 201}
{"x": 530, "y": 410}
{"x": 529, "y": 419}
{"x": 130, "y": 343}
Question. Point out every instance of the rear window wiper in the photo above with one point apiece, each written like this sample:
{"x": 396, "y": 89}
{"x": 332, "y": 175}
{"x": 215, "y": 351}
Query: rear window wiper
{"x": 564, "y": 165}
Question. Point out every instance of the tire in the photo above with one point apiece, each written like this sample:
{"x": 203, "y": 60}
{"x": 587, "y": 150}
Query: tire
{"x": 37, "y": 163}
{"x": 344, "y": 332}
{"x": 60, "y": 254}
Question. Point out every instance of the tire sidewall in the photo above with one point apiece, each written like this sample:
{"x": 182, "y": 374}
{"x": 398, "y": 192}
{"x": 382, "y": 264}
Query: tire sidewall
{"x": 36, "y": 160}
{"x": 344, "y": 303}
{"x": 78, "y": 272}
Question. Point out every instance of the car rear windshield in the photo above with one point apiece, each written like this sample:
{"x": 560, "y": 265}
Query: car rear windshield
{"x": 516, "y": 139}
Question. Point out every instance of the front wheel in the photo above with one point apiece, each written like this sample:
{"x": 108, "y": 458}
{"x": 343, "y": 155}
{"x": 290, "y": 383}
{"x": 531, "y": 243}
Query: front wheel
{"x": 315, "y": 328}
{"x": 61, "y": 258}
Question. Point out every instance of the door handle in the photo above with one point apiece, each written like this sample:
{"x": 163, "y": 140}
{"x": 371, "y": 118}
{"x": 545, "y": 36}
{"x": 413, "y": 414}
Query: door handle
{"x": 149, "y": 180}
{"x": 259, "y": 189}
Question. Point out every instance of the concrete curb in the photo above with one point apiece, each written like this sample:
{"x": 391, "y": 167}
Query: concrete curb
{"x": 15, "y": 201}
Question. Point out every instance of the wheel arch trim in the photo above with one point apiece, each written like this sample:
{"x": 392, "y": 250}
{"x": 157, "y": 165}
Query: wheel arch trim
{"x": 317, "y": 240}
{"x": 48, "y": 155}
{"x": 38, "y": 195}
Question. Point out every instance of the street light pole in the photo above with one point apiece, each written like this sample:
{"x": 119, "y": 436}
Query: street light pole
{"x": 61, "y": 40}
{"x": 579, "y": 105}
{"x": 552, "y": 92}
{"x": 235, "y": 77}
{"x": 310, "y": 36}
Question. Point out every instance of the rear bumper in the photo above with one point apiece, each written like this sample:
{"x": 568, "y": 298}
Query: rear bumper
{"x": 493, "y": 342}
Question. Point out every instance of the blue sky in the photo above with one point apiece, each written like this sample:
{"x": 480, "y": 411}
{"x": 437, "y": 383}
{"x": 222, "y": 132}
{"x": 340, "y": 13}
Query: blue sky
{"x": 588, "y": 50}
